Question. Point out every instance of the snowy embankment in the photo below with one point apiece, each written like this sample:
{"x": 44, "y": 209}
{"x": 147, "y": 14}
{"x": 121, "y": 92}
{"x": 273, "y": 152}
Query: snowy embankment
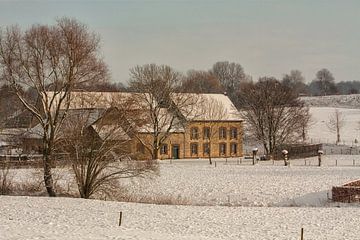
{"x": 338, "y": 101}
{"x": 62, "y": 218}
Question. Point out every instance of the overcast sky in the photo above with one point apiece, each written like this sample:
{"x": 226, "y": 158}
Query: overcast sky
{"x": 268, "y": 38}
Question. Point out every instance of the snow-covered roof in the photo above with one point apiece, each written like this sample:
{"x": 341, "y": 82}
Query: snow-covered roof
{"x": 86, "y": 116}
{"x": 207, "y": 107}
{"x": 98, "y": 99}
{"x": 111, "y": 132}
{"x": 164, "y": 118}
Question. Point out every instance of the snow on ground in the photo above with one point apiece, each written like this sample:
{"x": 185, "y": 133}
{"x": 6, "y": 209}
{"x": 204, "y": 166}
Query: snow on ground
{"x": 64, "y": 218}
{"x": 195, "y": 182}
{"x": 342, "y": 101}
{"x": 246, "y": 185}
{"x": 247, "y": 188}
{"x": 319, "y": 132}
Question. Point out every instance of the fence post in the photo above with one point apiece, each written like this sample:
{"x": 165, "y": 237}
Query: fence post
{"x": 302, "y": 234}
{"x": 336, "y": 162}
{"x": 120, "y": 218}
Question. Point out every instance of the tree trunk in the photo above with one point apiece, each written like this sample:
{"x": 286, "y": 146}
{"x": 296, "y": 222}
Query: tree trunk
{"x": 155, "y": 153}
{"x": 48, "y": 180}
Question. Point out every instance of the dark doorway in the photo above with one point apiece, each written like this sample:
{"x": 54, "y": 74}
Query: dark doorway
{"x": 175, "y": 151}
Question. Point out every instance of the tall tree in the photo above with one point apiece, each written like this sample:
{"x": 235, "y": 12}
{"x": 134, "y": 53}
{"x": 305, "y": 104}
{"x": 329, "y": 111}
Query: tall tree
{"x": 9, "y": 104}
{"x": 56, "y": 58}
{"x": 157, "y": 89}
{"x": 230, "y": 75}
{"x": 324, "y": 83}
{"x": 201, "y": 82}
{"x": 295, "y": 81}
{"x": 336, "y": 123}
{"x": 273, "y": 112}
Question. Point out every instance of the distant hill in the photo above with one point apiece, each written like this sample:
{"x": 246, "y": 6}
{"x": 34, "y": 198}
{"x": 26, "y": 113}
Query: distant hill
{"x": 341, "y": 101}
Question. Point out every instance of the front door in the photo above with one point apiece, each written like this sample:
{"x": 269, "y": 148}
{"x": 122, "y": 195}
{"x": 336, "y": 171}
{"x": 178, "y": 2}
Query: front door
{"x": 175, "y": 151}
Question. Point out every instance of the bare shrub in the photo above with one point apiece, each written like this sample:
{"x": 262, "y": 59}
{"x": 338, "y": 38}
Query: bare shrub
{"x": 35, "y": 185}
{"x": 99, "y": 152}
{"x": 158, "y": 199}
{"x": 6, "y": 184}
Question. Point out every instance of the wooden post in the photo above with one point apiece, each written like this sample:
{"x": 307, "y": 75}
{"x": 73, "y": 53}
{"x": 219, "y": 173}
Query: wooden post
{"x": 302, "y": 234}
{"x": 336, "y": 162}
{"x": 353, "y": 162}
{"x": 229, "y": 200}
{"x": 240, "y": 160}
{"x": 305, "y": 162}
{"x": 215, "y": 163}
{"x": 120, "y": 218}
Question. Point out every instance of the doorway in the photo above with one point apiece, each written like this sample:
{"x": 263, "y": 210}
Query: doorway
{"x": 175, "y": 151}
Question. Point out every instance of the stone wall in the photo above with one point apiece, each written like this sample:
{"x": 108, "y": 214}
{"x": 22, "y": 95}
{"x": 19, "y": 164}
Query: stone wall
{"x": 349, "y": 192}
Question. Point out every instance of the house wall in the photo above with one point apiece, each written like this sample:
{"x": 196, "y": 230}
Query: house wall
{"x": 184, "y": 141}
{"x": 215, "y": 139}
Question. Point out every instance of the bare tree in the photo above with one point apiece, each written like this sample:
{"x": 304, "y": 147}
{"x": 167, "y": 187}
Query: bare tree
{"x": 336, "y": 123}
{"x": 306, "y": 121}
{"x": 99, "y": 151}
{"x": 201, "y": 82}
{"x": 295, "y": 81}
{"x": 164, "y": 109}
{"x": 273, "y": 112}
{"x": 213, "y": 111}
{"x": 324, "y": 83}
{"x": 230, "y": 75}
{"x": 45, "y": 58}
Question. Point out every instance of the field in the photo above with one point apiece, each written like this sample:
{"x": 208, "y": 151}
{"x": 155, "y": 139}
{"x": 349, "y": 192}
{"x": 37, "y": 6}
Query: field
{"x": 229, "y": 201}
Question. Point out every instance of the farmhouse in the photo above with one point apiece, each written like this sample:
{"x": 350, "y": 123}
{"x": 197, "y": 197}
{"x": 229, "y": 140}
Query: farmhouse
{"x": 207, "y": 126}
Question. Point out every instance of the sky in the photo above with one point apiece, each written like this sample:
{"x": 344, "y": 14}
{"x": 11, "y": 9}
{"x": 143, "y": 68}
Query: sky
{"x": 268, "y": 38}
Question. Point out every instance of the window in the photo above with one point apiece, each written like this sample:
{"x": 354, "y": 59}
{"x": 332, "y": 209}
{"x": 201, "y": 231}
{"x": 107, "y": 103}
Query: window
{"x": 206, "y": 148}
{"x": 222, "y": 148}
{"x": 206, "y": 133}
{"x": 194, "y": 148}
{"x": 164, "y": 149}
{"x": 194, "y": 133}
{"x": 233, "y": 148}
{"x": 222, "y": 133}
{"x": 140, "y": 148}
{"x": 233, "y": 133}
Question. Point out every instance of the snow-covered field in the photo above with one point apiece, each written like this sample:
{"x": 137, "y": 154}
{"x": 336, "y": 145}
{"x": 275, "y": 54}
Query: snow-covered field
{"x": 339, "y": 101}
{"x": 246, "y": 185}
{"x": 320, "y": 133}
{"x": 230, "y": 198}
{"x": 61, "y": 218}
